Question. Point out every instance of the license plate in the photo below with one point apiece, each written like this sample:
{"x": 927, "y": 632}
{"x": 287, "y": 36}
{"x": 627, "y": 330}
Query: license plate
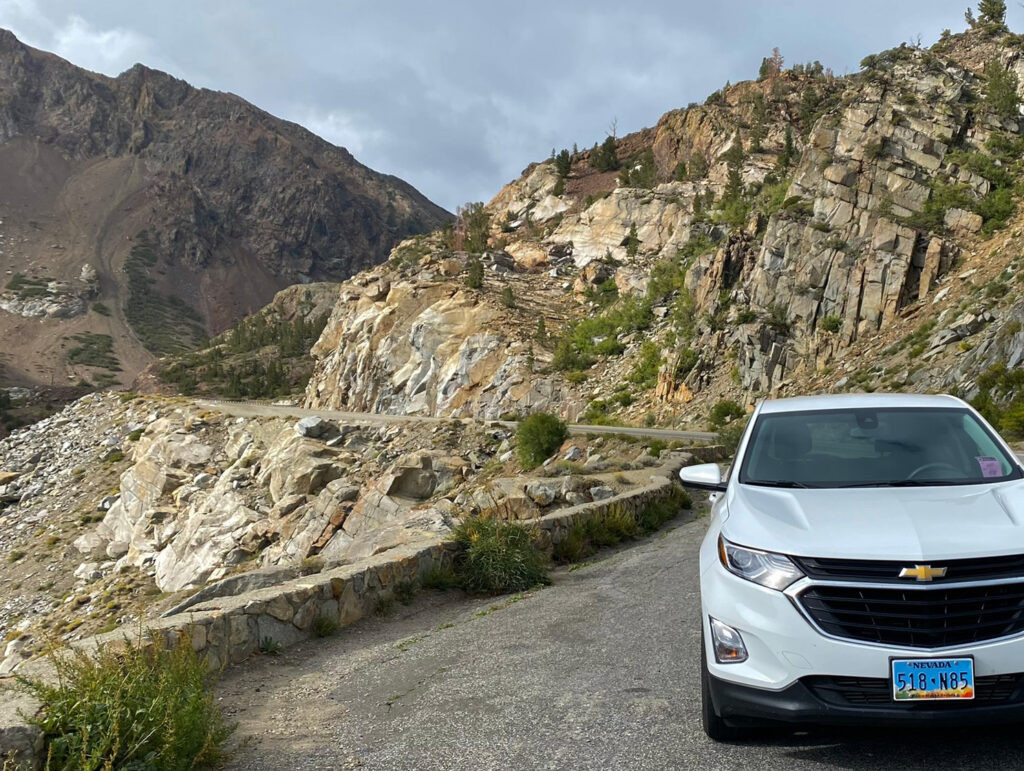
{"x": 914, "y": 679}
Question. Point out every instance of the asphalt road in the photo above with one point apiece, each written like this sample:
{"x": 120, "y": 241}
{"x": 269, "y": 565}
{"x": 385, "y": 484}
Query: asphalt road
{"x": 251, "y": 409}
{"x": 597, "y": 671}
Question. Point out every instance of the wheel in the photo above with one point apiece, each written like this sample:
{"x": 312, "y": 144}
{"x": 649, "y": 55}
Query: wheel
{"x": 714, "y": 726}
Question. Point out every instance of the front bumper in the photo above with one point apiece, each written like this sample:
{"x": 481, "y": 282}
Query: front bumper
{"x": 806, "y": 702}
{"x": 785, "y": 648}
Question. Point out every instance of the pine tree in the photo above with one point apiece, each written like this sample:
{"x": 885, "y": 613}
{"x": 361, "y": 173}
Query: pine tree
{"x": 563, "y": 163}
{"x": 632, "y": 241}
{"x": 992, "y": 15}
{"x": 606, "y": 158}
{"x": 542, "y": 330}
{"x": 508, "y": 297}
{"x": 475, "y": 276}
{"x": 1001, "y": 90}
{"x": 789, "y": 149}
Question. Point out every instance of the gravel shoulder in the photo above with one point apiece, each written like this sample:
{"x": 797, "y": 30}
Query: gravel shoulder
{"x": 598, "y": 671}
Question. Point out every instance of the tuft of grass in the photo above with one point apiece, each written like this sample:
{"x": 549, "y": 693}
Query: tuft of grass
{"x": 324, "y": 626}
{"x": 385, "y": 604}
{"x": 405, "y": 592}
{"x": 141, "y": 707}
{"x": 619, "y": 524}
{"x": 498, "y": 557}
{"x": 15, "y": 555}
{"x": 270, "y": 647}
{"x": 311, "y": 565}
{"x": 441, "y": 578}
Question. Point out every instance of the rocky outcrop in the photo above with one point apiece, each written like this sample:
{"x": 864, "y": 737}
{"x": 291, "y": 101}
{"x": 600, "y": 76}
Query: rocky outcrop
{"x": 852, "y": 232}
{"x": 423, "y": 346}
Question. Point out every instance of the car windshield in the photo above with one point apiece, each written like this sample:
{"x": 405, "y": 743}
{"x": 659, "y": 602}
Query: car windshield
{"x": 900, "y": 447}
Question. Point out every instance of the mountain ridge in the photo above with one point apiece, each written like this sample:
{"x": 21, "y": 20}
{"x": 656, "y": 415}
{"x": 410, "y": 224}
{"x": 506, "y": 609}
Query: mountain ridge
{"x": 232, "y": 203}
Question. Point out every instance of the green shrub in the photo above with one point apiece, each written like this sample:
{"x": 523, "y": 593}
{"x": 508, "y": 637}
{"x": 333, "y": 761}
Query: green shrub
{"x": 621, "y": 523}
{"x": 163, "y": 323}
{"x": 311, "y": 565}
{"x": 729, "y": 436}
{"x": 441, "y": 578}
{"x": 324, "y": 626}
{"x": 724, "y": 412}
{"x": 1001, "y": 90}
{"x": 508, "y": 297}
{"x": 574, "y": 547}
{"x": 539, "y": 436}
{"x": 498, "y": 557}
{"x": 405, "y": 592}
{"x": 101, "y": 309}
{"x": 585, "y": 538}
{"x": 475, "y": 275}
{"x": 605, "y": 157}
{"x": 645, "y": 370}
{"x": 270, "y": 647}
{"x": 657, "y": 513}
{"x": 94, "y": 350}
{"x": 136, "y": 708}
{"x": 831, "y": 324}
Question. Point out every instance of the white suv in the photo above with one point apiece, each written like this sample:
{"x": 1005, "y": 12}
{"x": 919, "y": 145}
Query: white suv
{"x": 864, "y": 563}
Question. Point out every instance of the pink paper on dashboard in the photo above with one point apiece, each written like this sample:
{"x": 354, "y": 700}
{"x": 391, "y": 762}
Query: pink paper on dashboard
{"x": 990, "y": 467}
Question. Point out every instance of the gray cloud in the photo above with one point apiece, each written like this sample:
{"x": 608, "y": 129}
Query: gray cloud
{"x": 458, "y": 97}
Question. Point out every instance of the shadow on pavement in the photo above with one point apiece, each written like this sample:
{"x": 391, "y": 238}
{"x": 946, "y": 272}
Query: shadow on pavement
{"x": 910, "y": 748}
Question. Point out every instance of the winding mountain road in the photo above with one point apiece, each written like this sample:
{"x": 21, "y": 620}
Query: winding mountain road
{"x": 261, "y": 409}
{"x": 598, "y": 671}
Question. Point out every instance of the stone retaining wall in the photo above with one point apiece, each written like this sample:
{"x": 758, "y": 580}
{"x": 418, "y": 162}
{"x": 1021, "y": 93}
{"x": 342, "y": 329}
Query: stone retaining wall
{"x": 228, "y": 630}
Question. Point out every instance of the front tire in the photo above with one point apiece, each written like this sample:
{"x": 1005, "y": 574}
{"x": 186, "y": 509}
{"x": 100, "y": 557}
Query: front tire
{"x": 714, "y": 725}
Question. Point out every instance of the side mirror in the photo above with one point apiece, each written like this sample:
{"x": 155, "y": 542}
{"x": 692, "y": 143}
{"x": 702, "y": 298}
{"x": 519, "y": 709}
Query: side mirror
{"x": 707, "y": 476}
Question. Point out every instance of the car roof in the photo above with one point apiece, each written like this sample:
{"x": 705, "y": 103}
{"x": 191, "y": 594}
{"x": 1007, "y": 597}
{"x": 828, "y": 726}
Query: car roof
{"x": 860, "y": 401}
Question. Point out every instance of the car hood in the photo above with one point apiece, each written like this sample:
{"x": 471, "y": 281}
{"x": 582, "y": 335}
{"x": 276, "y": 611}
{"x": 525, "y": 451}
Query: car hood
{"x": 913, "y": 523}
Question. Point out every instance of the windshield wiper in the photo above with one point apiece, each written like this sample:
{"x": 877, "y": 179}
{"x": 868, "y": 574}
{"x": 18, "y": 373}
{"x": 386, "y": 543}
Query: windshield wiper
{"x": 909, "y": 483}
{"x": 779, "y": 483}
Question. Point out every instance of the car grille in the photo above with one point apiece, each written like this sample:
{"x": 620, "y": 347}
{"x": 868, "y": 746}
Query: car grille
{"x": 875, "y": 691}
{"x": 886, "y": 571}
{"x": 917, "y": 618}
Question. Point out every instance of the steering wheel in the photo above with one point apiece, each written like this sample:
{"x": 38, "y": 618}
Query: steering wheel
{"x": 937, "y": 464}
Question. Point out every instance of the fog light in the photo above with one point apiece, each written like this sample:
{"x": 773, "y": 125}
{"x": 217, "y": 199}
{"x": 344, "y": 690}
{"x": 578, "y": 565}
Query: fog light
{"x": 728, "y": 645}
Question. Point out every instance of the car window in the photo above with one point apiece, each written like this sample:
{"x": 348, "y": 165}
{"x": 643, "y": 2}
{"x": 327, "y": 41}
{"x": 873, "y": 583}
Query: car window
{"x": 848, "y": 448}
{"x": 983, "y": 444}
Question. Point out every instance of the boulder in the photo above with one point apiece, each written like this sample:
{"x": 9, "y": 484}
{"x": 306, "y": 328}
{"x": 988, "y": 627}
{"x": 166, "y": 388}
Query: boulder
{"x": 961, "y": 221}
{"x": 601, "y": 492}
{"x": 91, "y": 545}
{"x": 313, "y": 427}
{"x": 541, "y": 493}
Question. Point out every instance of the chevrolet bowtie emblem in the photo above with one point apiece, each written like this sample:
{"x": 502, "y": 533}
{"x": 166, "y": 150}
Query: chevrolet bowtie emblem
{"x": 923, "y": 572}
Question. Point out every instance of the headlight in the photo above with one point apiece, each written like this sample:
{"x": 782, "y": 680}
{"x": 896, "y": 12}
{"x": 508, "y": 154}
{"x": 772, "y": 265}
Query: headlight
{"x": 775, "y": 571}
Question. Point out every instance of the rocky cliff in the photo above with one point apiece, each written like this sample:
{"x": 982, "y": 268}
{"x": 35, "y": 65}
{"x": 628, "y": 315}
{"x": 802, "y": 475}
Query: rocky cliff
{"x": 154, "y": 213}
{"x": 762, "y": 243}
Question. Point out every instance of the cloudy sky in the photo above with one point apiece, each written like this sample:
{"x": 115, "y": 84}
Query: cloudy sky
{"x": 458, "y": 96}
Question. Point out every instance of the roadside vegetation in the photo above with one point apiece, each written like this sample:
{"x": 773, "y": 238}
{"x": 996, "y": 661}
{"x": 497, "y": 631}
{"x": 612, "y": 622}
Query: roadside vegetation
{"x": 539, "y": 436}
{"x": 139, "y": 708}
{"x": 498, "y": 557}
{"x": 585, "y": 539}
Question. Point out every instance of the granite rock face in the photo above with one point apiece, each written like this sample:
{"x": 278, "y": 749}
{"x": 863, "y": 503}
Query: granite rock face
{"x": 848, "y": 230}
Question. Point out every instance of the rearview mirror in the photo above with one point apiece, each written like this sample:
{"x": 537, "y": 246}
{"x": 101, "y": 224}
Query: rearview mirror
{"x": 707, "y": 476}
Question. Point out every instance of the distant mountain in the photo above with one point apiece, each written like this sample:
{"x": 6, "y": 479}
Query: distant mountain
{"x": 139, "y": 215}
